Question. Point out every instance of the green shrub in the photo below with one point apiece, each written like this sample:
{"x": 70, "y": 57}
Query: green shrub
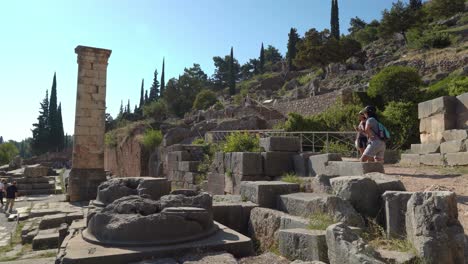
{"x": 458, "y": 86}
{"x": 151, "y": 139}
{"x": 427, "y": 39}
{"x": 238, "y": 99}
{"x": 155, "y": 109}
{"x": 242, "y": 142}
{"x": 338, "y": 147}
{"x": 292, "y": 178}
{"x": 401, "y": 119}
{"x": 7, "y": 152}
{"x": 320, "y": 221}
{"x": 305, "y": 79}
{"x": 437, "y": 9}
{"x": 367, "y": 35}
{"x": 110, "y": 139}
{"x": 396, "y": 83}
{"x": 198, "y": 141}
{"x": 204, "y": 100}
{"x": 218, "y": 106}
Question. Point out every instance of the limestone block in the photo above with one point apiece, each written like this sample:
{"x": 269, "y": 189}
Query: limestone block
{"x": 397, "y": 257}
{"x": 216, "y": 183}
{"x": 284, "y": 144}
{"x": 410, "y": 159}
{"x": 434, "y": 159}
{"x": 425, "y": 148}
{"x": 455, "y": 134}
{"x": 234, "y": 215}
{"x": 277, "y": 163}
{"x": 190, "y": 177}
{"x": 452, "y": 146}
{"x": 189, "y": 166}
{"x": 52, "y": 221}
{"x": 36, "y": 171}
{"x": 457, "y": 159}
{"x": 263, "y": 227}
{"x": 444, "y": 104}
{"x": 391, "y": 156}
{"x": 302, "y": 164}
{"x": 179, "y": 156}
{"x": 433, "y": 228}
{"x": 290, "y": 222}
{"x": 462, "y": 111}
{"x": 208, "y": 258}
{"x": 346, "y": 247}
{"x": 46, "y": 239}
{"x": 266, "y": 193}
{"x": 395, "y": 210}
{"x": 244, "y": 163}
{"x": 73, "y": 216}
{"x": 385, "y": 182}
{"x": 361, "y": 192}
{"x": 217, "y": 166}
{"x": 319, "y": 163}
{"x": 233, "y": 181}
{"x": 434, "y": 137}
{"x": 351, "y": 168}
{"x": 265, "y": 258}
{"x": 308, "y": 204}
{"x": 437, "y": 123}
{"x": 303, "y": 244}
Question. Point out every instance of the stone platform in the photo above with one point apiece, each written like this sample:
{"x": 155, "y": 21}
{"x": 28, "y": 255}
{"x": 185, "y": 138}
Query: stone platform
{"x": 80, "y": 251}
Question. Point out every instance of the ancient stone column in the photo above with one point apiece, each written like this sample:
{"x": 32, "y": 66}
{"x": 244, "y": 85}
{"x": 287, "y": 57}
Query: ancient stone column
{"x": 88, "y": 149}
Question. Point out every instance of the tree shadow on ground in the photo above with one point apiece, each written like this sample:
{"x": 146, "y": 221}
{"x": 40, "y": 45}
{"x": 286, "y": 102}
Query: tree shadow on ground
{"x": 427, "y": 176}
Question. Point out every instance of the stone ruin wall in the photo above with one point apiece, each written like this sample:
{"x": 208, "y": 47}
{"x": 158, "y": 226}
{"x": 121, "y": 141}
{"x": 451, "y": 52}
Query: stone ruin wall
{"x": 126, "y": 160}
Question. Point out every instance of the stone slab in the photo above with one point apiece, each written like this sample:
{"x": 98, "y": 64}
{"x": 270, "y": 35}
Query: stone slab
{"x": 290, "y": 222}
{"x": 397, "y": 257}
{"x": 319, "y": 163}
{"x": 410, "y": 159}
{"x": 189, "y": 166}
{"x": 425, "y": 148}
{"x": 52, "y": 221}
{"x": 244, "y": 163}
{"x": 302, "y": 164}
{"x": 303, "y": 244}
{"x": 36, "y": 171}
{"x": 434, "y": 159}
{"x": 288, "y": 144}
{"x": 444, "y": 104}
{"x": 46, "y": 239}
{"x": 457, "y": 159}
{"x": 79, "y": 251}
{"x": 216, "y": 183}
{"x": 351, "y": 168}
{"x": 264, "y": 225}
{"x": 234, "y": 215}
{"x": 277, "y": 163}
{"x": 266, "y": 193}
{"x": 395, "y": 210}
{"x": 462, "y": 111}
{"x": 452, "y": 146}
{"x": 455, "y": 134}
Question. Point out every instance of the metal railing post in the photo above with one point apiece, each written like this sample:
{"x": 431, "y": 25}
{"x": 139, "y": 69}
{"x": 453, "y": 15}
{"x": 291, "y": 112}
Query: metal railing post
{"x": 326, "y": 148}
{"x": 313, "y": 142}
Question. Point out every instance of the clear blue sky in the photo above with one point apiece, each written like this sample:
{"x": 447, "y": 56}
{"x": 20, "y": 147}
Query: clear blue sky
{"x": 38, "y": 38}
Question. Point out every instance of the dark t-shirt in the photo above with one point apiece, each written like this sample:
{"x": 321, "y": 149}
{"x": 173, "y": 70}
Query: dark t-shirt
{"x": 10, "y": 191}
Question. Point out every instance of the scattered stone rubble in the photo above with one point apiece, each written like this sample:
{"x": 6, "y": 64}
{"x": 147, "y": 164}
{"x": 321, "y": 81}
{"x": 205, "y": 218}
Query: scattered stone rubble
{"x": 444, "y": 133}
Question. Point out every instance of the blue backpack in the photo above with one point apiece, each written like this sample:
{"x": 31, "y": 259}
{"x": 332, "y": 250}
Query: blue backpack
{"x": 382, "y": 132}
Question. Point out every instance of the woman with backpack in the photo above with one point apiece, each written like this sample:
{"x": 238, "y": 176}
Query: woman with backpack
{"x": 376, "y": 134}
{"x": 361, "y": 136}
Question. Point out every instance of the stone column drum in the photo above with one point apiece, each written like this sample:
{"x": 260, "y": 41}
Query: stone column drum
{"x": 88, "y": 149}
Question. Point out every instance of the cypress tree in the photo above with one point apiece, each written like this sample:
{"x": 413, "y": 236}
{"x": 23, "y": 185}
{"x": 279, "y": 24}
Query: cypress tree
{"x": 61, "y": 139}
{"x": 163, "y": 82}
{"x": 121, "y": 110}
{"x": 154, "y": 90}
{"x": 262, "y": 59}
{"x": 292, "y": 50}
{"x": 135, "y": 110}
{"x": 232, "y": 77}
{"x": 142, "y": 95}
{"x": 128, "y": 107}
{"x": 335, "y": 20}
{"x": 41, "y": 130}
{"x": 54, "y": 135}
{"x": 146, "y": 96}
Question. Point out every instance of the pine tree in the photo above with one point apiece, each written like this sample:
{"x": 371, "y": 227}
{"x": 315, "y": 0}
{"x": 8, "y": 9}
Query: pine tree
{"x": 41, "y": 130}
{"x": 335, "y": 20}
{"x": 142, "y": 95}
{"x": 61, "y": 139}
{"x": 415, "y": 4}
{"x": 232, "y": 74}
{"x": 262, "y": 59}
{"x": 163, "y": 82}
{"x": 54, "y": 136}
{"x": 154, "y": 90}
{"x": 121, "y": 110}
{"x": 292, "y": 49}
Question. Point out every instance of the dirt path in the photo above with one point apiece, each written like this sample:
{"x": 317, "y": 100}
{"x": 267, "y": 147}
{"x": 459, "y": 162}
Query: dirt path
{"x": 436, "y": 178}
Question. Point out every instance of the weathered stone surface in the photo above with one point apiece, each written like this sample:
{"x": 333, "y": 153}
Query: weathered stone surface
{"x": 452, "y": 146}
{"x": 158, "y": 261}
{"x": 287, "y": 144}
{"x": 319, "y": 163}
{"x": 217, "y": 166}
{"x": 307, "y": 204}
{"x": 345, "y": 247}
{"x": 395, "y": 211}
{"x": 277, "y": 163}
{"x": 385, "y": 182}
{"x": 444, "y": 104}
{"x": 433, "y": 228}
{"x": 455, "y": 134}
{"x": 397, "y": 257}
{"x": 266, "y": 258}
{"x": 180, "y": 155}
{"x": 36, "y": 171}
{"x": 307, "y": 262}
{"x": 176, "y": 135}
{"x": 410, "y": 159}
{"x": 291, "y": 222}
{"x": 302, "y": 164}
{"x": 435, "y": 159}
{"x": 462, "y": 111}
{"x": 457, "y": 159}
{"x": 425, "y": 148}
{"x": 303, "y": 244}
{"x": 210, "y": 258}
{"x": 391, "y": 156}
{"x": 46, "y": 239}
{"x": 266, "y": 193}
{"x": 234, "y": 215}
{"x": 244, "y": 163}
{"x": 189, "y": 166}
{"x": 263, "y": 227}
{"x": 216, "y": 183}
{"x": 361, "y": 192}
{"x": 351, "y": 168}
{"x": 52, "y": 221}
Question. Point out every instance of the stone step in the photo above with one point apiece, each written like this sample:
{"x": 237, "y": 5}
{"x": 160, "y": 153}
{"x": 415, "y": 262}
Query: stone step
{"x": 309, "y": 204}
{"x": 265, "y": 193}
{"x": 36, "y": 192}
{"x": 303, "y": 244}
